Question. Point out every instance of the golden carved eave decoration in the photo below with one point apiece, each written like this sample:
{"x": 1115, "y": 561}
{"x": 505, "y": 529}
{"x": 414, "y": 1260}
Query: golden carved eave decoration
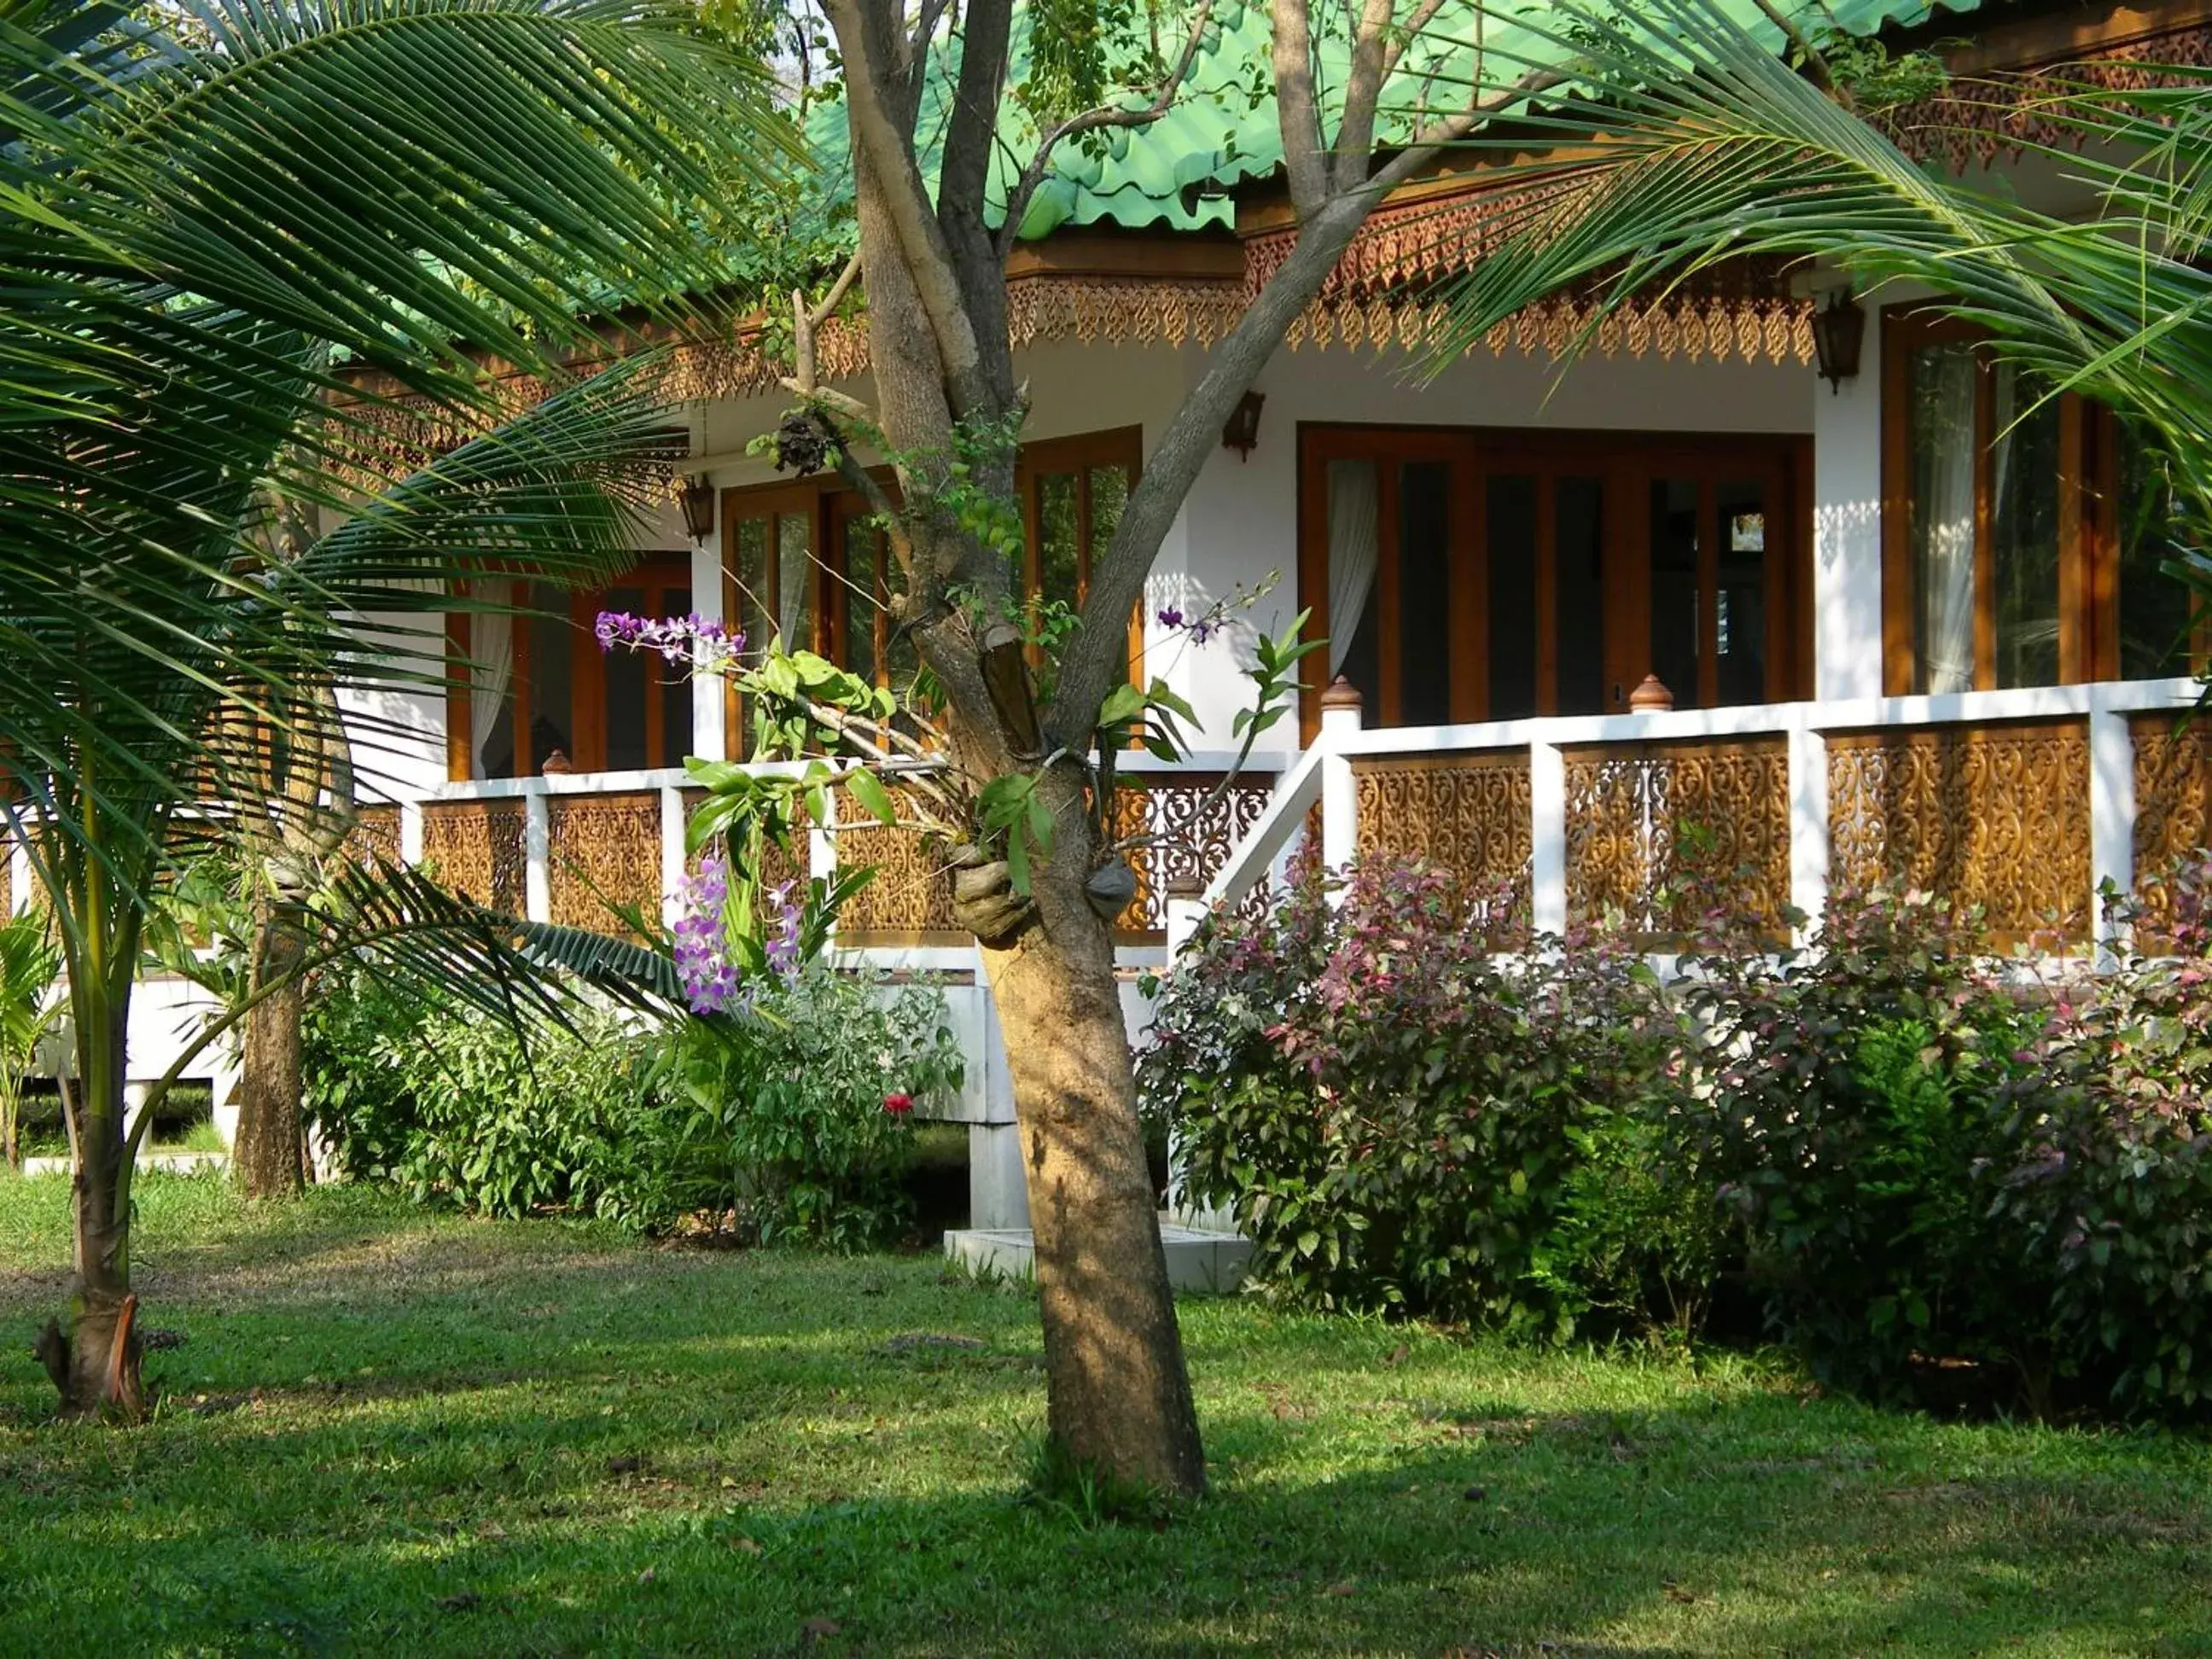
{"x": 1980, "y": 118}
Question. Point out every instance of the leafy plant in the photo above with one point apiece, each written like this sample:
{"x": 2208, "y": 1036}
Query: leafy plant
{"x": 29, "y": 964}
{"x": 792, "y": 1123}
{"x": 1401, "y": 1119}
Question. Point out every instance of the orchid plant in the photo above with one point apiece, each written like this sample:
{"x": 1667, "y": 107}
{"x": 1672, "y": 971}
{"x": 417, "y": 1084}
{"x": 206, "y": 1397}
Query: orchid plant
{"x": 884, "y": 752}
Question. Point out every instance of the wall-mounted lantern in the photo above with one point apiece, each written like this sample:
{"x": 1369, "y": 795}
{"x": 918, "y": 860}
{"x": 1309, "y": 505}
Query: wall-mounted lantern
{"x": 1241, "y": 430}
{"x": 698, "y": 499}
{"x": 1839, "y": 330}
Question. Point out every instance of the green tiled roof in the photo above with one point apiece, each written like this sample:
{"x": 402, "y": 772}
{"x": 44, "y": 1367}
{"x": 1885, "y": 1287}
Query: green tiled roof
{"x": 1176, "y": 173}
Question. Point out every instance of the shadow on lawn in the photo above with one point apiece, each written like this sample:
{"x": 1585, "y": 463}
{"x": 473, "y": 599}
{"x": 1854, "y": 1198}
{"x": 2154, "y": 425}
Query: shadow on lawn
{"x": 1648, "y": 1532}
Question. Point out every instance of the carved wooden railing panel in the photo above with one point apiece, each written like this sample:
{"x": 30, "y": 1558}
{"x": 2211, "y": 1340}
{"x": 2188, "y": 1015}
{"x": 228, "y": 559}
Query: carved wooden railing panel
{"x": 602, "y": 850}
{"x": 476, "y": 847}
{"x": 1198, "y": 830}
{"x": 2173, "y": 810}
{"x": 1468, "y": 814}
{"x": 1642, "y": 819}
{"x": 375, "y": 834}
{"x": 910, "y": 900}
{"x": 1995, "y": 816}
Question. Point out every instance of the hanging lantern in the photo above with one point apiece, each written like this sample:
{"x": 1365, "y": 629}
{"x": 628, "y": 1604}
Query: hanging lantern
{"x": 697, "y": 496}
{"x": 1838, "y": 331}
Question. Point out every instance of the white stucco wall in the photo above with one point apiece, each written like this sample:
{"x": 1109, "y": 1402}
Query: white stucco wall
{"x": 1847, "y": 528}
{"x": 399, "y": 729}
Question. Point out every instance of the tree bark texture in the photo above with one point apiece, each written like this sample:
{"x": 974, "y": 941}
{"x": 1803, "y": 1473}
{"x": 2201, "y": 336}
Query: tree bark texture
{"x": 266, "y": 1158}
{"x": 95, "y": 1364}
{"x": 1119, "y": 1397}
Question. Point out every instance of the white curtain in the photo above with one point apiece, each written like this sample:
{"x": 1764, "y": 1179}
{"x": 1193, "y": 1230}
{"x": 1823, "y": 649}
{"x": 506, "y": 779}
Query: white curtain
{"x": 491, "y": 652}
{"x": 1352, "y": 510}
{"x": 1946, "y": 507}
{"x": 794, "y": 575}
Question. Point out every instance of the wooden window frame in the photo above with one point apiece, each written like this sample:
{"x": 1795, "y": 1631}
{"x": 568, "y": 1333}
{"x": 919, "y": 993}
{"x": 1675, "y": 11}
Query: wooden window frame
{"x": 809, "y": 498}
{"x": 1079, "y": 456}
{"x": 1781, "y": 462}
{"x": 656, "y": 568}
{"x": 657, "y": 571}
{"x": 2089, "y": 530}
{"x": 832, "y": 507}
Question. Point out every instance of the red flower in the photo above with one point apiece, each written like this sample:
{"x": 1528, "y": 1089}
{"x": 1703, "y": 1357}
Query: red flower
{"x": 898, "y": 1105}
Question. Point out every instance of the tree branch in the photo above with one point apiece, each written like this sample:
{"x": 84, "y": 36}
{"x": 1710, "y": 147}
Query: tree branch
{"x": 1092, "y": 661}
{"x": 887, "y": 156}
{"x": 971, "y": 130}
{"x": 1816, "y": 66}
{"x": 1363, "y": 90}
{"x": 1296, "y": 113}
{"x": 1423, "y": 15}
{"x": 1092, "y": 120}
{"x": 1423, "y": 148}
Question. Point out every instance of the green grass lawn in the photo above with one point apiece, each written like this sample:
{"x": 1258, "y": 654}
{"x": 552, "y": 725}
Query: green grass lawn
{"x": 392, "y": 1433}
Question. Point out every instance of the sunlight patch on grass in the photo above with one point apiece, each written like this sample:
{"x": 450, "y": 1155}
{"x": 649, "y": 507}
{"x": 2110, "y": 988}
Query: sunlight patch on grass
{"x": 390, "y": 1430}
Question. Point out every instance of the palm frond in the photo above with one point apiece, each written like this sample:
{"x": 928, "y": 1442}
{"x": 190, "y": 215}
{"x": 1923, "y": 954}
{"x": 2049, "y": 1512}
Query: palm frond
{"x": 1687, "y": 142}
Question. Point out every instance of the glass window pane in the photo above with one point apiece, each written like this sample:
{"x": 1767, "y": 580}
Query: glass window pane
{"x": 627, "y": 675}
{"x": 2025, "y": 473}
{"x": 1674, "y": 613}
{"x": 1510, "y": 512}
{"x": 1109, "y": 494}
{"x": 552, "y": 713}
{"x": 1942, "y": 391}
{"x": 857, "y": 595}
{"x": 794, "y": 581}
{"x": 748, "y": 570}
{"x": 1425, "y": 594}
{"x": 1740, "y": 601}
{"x": 2153, "y": 607}
{"x": 1578, "y": 593}
{"x": 1057, "y": 554}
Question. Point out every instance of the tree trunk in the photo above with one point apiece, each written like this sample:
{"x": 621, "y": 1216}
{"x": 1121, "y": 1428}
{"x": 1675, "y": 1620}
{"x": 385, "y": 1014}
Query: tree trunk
{"x": 1119, "y": 1401}
{"x": 266, "y": 1156}
{"x": 95, "y": 1365}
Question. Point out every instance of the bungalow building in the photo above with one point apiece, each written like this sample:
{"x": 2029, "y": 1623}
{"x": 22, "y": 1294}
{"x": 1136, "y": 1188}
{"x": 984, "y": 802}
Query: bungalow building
{"x": 1847, "y": 620}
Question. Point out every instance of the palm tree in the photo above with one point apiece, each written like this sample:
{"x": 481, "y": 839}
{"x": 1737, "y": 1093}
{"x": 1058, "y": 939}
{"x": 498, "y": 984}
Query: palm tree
{"x": 1686, "y": 138}
{"x": 209, "y": 219}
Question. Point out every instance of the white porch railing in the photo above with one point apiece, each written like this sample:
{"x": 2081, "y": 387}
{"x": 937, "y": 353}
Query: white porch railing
{"x": 2026, "y": 803}
{"x": 556, "y": 848}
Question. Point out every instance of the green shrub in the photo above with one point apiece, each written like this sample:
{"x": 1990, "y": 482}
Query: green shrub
{"x": 1852, "y": 1123}
{"x": 2110, "y": 1179}
{"x": 793, "y": 1121}
{"x": 452, "y": 1104}
{"x": 1945, "y": 1181}
{"x": 1399, "y": 1119}
{"x": 781, "y": 1120}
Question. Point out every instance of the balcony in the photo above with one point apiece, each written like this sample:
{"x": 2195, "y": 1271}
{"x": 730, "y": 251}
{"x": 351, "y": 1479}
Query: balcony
{"x": 2021, "y": 804}
{"x": 566, "y": 848}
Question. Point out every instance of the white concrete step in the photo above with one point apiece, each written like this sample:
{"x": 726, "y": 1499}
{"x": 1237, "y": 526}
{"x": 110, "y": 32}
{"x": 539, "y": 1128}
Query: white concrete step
{"x": 1200, "y": 1263}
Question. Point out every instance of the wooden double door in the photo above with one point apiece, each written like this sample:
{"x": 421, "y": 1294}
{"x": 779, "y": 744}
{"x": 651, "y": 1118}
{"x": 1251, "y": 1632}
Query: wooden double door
{"x": 1477, "y": 574}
